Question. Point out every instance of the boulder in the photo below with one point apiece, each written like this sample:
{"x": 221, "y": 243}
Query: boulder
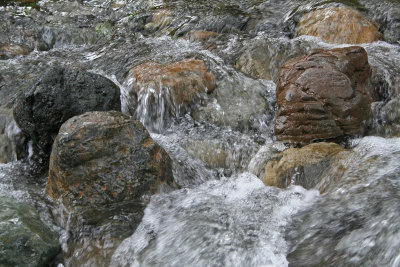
{"x": 165, "y": 91}
{"x": 324, "y": 94}
{"x": 338, "y": 25}
{"x": 304, "y": 166}
{"x": 24, "y": 239}
{"x": 103, "y": 163}
{"x": 60, "y": 94}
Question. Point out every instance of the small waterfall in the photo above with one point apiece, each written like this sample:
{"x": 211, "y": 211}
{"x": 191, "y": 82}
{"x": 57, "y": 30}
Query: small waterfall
{"x": 156, "y": 110}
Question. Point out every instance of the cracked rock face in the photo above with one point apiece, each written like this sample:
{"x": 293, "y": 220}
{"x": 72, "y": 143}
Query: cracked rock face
{"x": 322, "y": 95}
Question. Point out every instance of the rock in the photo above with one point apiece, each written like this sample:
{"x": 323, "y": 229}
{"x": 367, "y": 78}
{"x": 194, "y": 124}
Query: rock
{"x": 256, "y": 63}
{"x": 11, "y": 50}
{"x": 391, "y": 25}
{"x": 105, "y": 29}
{"x": 105, "y": 162}
{"x": 160, "y": 20}
{"x": 224, "y": 153}
{"x": 211, "y": 152}
{"x": 201, "y": 36}
{"x": 390, "y": 116}
{"x": 6, "y": 154}
{"x": 13, "y": 143}
{"x": 94, "y": 246}
{"x": 262, "y": 58}
{"x": 338, "y": 25}
{"x": 60, "y": 94}
{"x": 166, "y": 91}
{"x": 24, "y": 239}
{"x": 19, "y": 2}
{"x": 308, "y": 108}
{"x": 238, "y": 102}
{"x": 304, "y": 166}
{"x": 391, "y": 111}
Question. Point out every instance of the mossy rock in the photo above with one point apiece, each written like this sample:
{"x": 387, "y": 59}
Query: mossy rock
{"x": 24, "y": 239}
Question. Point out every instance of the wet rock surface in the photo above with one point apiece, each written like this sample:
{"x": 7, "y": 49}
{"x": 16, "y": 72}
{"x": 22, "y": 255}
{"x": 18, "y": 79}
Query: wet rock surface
{"x": 338, "y": 25}
{"x": 239, "y": 102}
{"x": 10, "y": 50}
{"x": 105, "y": 162}
{"x": 308, "y": 107}
{"x": 262, "y": 58}
{"x": 304, "y": 166}
{"x": 224, "y": 210}
{"x": 58, "y": 95}
{"x": 389, "y": 117}
{"x": 24, "y": 239}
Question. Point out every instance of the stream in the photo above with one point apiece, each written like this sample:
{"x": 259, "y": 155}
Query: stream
{"x": 222, "y": 214}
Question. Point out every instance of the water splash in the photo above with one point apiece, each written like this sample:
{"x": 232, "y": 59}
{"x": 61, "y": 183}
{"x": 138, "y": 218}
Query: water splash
{"x": 232, "y": 222}
{"x": 355, "y": 222}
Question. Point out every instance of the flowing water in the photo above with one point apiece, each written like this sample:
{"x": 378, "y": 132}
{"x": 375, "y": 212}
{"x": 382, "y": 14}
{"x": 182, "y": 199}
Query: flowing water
{"x": 223, "y": 215}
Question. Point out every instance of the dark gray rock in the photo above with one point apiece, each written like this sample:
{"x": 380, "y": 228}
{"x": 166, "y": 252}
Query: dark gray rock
{"x": 60, "y": 94}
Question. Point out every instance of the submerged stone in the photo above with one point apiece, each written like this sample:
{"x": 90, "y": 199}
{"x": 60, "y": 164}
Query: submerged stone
{"x": 324, "y": 94}
{"x": 103, "y": 163}
{"x": 304, "y": 166}
{"x": 239, "y": 102}
{"x": 24, "y": 239}
{"x": 262, "y": 58}
{"x": 338, "y": 25}
{"x": 60, "y": 94}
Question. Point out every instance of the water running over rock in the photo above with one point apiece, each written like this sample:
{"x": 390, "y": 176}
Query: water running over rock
{"x": 201, "y": 76}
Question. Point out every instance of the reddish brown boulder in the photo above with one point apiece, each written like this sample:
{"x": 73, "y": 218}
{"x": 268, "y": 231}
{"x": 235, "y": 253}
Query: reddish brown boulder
{"x": 338, "y": 25}
{"x": 322, "y": 95}
{"x": 105, "y": 161}
{"x": 186, "y": 79}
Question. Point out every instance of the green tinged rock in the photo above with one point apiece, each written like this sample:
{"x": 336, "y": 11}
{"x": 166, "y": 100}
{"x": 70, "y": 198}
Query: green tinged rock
{"x": 24, "y": 239}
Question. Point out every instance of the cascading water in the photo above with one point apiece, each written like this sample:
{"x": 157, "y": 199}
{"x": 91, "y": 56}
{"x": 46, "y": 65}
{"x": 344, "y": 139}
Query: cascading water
{"x": 223, "y": 214}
